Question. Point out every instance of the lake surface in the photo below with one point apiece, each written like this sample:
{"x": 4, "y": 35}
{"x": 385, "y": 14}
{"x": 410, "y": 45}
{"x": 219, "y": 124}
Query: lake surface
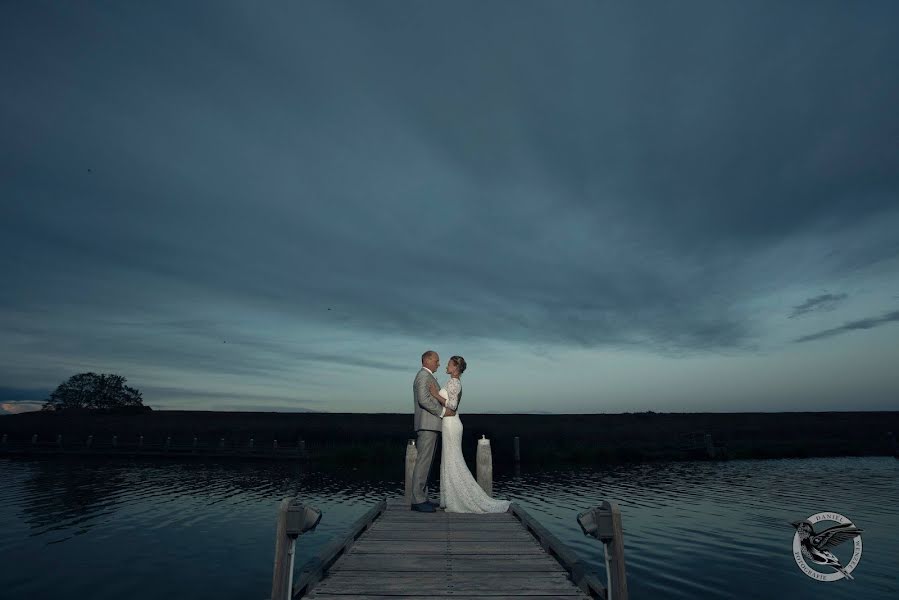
{"x": 144, "y": 529}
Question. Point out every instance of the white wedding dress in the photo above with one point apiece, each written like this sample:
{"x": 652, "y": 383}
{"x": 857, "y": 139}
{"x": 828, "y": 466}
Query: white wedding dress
{"x": 459, "y": 491}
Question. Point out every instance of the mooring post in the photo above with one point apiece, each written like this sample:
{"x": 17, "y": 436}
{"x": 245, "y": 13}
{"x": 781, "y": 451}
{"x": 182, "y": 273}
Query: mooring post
{"x": 294, "y": 519}
{"x": 90, "y": 441}
{"x": 411, "y": 457}
{"x": 195, "y": 443}
{"x": 485, "y": 465}
{"x": 274, "y": 444}
{"x": 301, "y": 447}
{"x": 709, "y": 445}
{"x": 140, "y": 442}
{"x": 34, "y": 440}
{"x": 168, "y": 442}
{"x": 517, "y": 444}
{"x": 221, "y": 443}
{"x": 251, "y": 443}
{"x": 115, "y": 441}
{"x": 59, "y": 440}
{"x": 603, "y": 522}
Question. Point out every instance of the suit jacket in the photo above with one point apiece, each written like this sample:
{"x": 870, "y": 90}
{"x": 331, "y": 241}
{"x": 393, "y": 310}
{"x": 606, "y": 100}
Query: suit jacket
{"x": 427, "y": 410}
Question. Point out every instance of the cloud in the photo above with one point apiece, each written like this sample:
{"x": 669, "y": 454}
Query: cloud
{"x": 822, "y": 303}
{"x": 297, "y": 183}
{"x": 852, "y": 326}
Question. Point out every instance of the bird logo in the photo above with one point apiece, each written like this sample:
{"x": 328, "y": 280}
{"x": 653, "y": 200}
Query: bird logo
{"x": 812, "y": 547}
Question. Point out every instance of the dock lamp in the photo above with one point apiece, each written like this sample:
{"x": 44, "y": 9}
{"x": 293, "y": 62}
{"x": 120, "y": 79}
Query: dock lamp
{"x": 294, "y": 519}
{"x": 301, "y": 518}
{"x": 600, "y": 522}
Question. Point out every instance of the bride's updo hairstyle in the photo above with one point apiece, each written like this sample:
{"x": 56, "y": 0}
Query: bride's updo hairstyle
{"x": 459, "y": 362}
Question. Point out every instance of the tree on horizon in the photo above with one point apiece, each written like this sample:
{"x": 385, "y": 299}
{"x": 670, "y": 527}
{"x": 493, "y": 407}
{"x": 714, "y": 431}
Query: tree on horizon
{"x": 92, "y": 391}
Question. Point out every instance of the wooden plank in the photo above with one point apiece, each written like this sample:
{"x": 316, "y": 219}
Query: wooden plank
{"x": 452, "y": 548}
{"x": 440, "y": 583}
{"x": 472, "y": 563}
{"x": 316, "y": 568}
{"x": 326, "y": 596}
{"x": 426, "y": 555}
{"x": 579, "y": 571}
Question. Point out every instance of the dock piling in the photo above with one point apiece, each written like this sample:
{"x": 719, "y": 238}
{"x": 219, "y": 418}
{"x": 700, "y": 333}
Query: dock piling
{"x": 709, "y": 445}
{"x": 294, "y": 519}
{"x": 485, "y": 465}
{"x": 604, "y": 523}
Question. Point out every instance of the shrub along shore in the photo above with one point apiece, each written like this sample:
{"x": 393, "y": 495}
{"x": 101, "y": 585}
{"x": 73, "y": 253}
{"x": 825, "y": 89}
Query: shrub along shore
{"x": 572, "y": 439}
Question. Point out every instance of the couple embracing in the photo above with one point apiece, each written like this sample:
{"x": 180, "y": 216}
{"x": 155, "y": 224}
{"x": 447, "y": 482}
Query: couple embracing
{"x": 436, "y": 413}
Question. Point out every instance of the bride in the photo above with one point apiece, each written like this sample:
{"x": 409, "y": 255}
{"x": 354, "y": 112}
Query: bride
{"x": 459, "y": 492}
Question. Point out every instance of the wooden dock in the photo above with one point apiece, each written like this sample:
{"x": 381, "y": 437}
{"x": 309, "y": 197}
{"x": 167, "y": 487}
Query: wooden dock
{"x": 395, "y": 552}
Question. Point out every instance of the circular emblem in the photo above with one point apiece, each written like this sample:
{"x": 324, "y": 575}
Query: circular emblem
{"x": 813, "y": 545}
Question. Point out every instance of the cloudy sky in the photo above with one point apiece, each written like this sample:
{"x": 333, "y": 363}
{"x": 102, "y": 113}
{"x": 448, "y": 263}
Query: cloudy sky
{"x": 603, "y": 206}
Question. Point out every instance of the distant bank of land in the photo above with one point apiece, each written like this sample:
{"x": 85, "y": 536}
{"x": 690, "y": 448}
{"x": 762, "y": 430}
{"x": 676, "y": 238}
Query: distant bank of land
{"x": 544, "y": 439}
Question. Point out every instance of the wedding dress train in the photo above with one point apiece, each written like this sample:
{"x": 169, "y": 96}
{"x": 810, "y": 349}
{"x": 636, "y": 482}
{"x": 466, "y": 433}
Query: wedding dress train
{"x": 459, "y": 491}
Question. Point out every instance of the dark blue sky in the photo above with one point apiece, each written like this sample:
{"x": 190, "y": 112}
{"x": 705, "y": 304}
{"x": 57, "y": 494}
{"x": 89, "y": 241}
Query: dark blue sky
{"x": 686, "y": 206}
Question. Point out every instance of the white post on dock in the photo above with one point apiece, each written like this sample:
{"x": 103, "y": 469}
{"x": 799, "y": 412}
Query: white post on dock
{"x": 293, "y": 519}
{"x": 485, "y": 465}
{"x": 604, "y": 523}
{"x": 411, "y": 457}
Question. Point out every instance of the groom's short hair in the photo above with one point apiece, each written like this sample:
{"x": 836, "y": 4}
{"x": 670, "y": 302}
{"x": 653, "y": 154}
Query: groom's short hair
{"x": 427, "y": 354}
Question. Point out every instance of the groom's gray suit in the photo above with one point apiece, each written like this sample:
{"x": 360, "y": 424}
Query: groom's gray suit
{"x": 427, "y": 427}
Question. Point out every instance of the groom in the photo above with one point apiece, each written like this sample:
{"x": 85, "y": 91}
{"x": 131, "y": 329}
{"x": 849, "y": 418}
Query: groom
{"x": 428, "y": 413}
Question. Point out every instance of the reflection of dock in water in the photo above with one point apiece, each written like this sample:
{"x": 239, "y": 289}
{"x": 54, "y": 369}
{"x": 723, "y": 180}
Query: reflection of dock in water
{"x": 393, "y": 552}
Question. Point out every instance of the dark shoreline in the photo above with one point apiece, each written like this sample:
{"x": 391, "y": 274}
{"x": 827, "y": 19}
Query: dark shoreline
{"x": 381, "y": 438}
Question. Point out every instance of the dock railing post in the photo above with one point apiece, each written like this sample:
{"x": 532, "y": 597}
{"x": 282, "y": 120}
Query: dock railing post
{"x": 709, "y": 445}
{"x": 294, "y": 519}
{"x": 604, "y": 523}
{"x": 485, "y": 465}
{"x": 411, "y": 457}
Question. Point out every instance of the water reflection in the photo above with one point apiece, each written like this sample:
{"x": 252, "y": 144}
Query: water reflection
{"x": 712, "y": 530}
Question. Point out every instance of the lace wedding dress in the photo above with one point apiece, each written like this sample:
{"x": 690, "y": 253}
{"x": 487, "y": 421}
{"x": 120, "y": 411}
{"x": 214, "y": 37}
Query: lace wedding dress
{"x": 459, "y": 491}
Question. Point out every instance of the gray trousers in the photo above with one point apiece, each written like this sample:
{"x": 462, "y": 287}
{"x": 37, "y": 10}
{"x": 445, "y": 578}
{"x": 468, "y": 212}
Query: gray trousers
{"x": 426, "y": 444}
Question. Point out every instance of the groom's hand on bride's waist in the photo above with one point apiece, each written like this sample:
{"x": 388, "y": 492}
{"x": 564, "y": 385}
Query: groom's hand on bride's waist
{"x": 450, "y": 412}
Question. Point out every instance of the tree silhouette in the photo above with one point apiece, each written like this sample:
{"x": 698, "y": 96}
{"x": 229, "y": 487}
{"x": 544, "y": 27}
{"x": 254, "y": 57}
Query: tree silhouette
{"x": 92, "y": 391}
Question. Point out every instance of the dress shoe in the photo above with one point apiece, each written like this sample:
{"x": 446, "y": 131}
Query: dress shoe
{"x": 423, "y": 507}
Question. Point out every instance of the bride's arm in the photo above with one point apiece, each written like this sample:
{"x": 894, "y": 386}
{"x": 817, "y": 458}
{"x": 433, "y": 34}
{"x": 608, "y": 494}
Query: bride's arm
{"x": 435, "y": 393}
{"x": 452, "y": 391}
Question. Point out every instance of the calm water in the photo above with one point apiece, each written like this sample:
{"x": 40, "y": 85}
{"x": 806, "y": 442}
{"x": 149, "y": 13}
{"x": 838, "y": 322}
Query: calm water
{"x": 145, "y": 529}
